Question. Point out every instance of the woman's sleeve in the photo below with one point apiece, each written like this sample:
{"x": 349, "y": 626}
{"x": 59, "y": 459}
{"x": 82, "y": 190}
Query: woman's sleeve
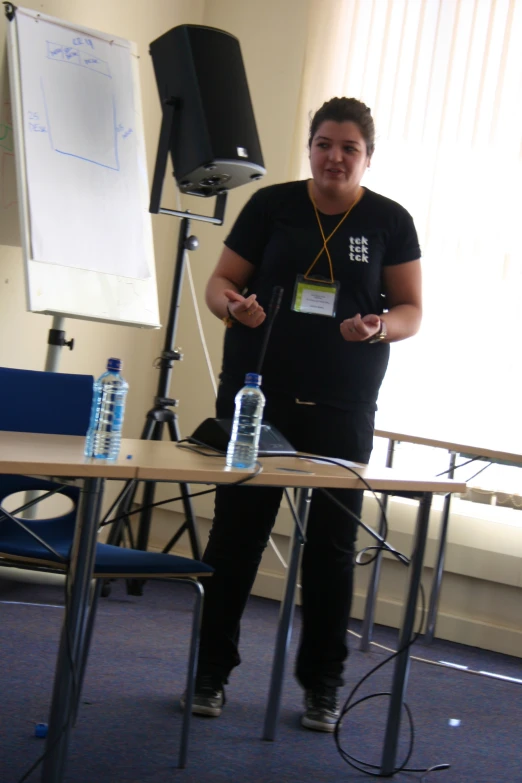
{"x": 249, "y": 234}
{"x": 404, "y": 243}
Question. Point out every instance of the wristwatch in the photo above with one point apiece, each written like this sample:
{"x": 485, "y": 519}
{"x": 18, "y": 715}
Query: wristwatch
{"x": 380, "y": 335}
{"x": 230, "y": 319}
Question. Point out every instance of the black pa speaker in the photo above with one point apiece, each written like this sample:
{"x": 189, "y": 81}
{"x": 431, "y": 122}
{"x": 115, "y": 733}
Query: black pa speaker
{"x": 214, "y": 144}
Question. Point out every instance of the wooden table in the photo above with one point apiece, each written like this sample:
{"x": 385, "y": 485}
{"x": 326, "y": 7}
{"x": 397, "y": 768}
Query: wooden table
{"x": 157, "y": 462}
{"x": 62, "y": 457}
{"x": 490, "y": 447}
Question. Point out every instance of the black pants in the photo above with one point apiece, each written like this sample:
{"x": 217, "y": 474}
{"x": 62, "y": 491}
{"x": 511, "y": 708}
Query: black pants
{"x": 243, "y": 521}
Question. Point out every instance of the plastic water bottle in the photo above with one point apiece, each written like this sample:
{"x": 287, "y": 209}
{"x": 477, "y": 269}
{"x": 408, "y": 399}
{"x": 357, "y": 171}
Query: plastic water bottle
{"x": 108, "y": 406}
{"x": 246, "y": 428}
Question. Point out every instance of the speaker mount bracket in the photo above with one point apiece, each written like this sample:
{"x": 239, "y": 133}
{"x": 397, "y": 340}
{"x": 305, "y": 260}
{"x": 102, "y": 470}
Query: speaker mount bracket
{"x": 171, "y": 107}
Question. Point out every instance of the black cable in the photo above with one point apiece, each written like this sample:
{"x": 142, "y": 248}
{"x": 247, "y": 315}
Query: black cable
{"x": 351, "y": 760}
{"x": 468, "y": 462}
{"x": 463, "y": 465}
{"x": 479, "y": 471}
{"x": 456, "y": 467}
{"x": 381, "y": 539}
{"x": 382, "y": 546}
{"x": 197, "y": 449}
{"x": 215, "y": 453}
{"x": 341, "y": 464}
{"x": 435, "y": 768}
{"x": 118, "y": 500}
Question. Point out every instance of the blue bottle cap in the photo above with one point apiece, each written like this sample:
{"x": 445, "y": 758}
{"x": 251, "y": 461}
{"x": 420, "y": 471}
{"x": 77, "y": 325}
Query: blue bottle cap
{"x": 253, "y": 379}
{"x": 40, "y": 730}
{"x": 114, "y": 365}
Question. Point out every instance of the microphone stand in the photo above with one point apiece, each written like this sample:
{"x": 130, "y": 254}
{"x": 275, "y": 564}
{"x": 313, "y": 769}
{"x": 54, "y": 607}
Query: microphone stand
{"x": 273, "y": 309}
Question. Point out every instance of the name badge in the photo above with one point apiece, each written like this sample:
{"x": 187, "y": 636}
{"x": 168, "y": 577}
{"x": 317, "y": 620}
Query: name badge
{"x": 315, "y": 296}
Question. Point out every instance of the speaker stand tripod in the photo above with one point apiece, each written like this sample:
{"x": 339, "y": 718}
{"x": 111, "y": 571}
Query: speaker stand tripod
{"x": 162, "y": 413}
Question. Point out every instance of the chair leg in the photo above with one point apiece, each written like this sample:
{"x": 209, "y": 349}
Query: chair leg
{"x": 192, "y": 668}
{"x": 85, "y": 646}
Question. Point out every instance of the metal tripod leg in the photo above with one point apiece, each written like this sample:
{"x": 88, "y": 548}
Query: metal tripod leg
{"x": 115, "y": 536}
{"x": 189, "y": 524}
{"x": 158, "y": 418}
{"x": 153, "y": 430}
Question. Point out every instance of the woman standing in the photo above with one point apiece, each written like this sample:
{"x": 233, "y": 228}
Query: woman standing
{"x": 348, "y": 261}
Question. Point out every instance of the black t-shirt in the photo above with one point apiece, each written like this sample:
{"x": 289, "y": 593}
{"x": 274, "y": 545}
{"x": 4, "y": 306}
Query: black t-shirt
{"x": 307, "y": 357}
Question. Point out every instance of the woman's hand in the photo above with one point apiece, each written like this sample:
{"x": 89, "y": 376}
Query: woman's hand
{"x": 357, "y": 329}
{"x": 247, "y": 311}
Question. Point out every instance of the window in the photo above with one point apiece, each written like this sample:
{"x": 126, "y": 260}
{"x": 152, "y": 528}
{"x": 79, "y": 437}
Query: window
{"x": 443, "y": 80}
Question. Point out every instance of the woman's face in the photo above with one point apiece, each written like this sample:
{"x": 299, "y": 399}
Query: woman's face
{"x": 338, "y": 158}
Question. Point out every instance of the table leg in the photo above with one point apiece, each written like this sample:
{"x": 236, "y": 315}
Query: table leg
{"x": 439, "y": 563}
{"x": 373, "y": 586}
{"x": 77, "y": 605}
{"x": 286, "y": 614}
{"x": 402, "y": 661}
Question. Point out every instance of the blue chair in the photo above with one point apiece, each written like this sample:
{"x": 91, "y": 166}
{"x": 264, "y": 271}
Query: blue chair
{"x": 59, "y": 404}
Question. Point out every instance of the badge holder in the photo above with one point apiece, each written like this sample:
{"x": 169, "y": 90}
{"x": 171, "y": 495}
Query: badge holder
{"x": 318, "y": 295}
{"x": 315, "y": 296}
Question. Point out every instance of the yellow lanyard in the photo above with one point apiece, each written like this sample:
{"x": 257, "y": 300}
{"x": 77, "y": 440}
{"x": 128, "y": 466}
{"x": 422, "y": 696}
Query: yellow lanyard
{"x": 324, "y": 248}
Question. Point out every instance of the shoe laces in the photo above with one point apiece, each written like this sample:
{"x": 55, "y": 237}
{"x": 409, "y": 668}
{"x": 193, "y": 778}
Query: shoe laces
{"x": 324, "y": 698}
{"x": 209, "y": 683}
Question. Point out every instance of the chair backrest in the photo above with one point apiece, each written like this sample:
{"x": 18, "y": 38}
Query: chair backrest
{"x": 49, "y": 402}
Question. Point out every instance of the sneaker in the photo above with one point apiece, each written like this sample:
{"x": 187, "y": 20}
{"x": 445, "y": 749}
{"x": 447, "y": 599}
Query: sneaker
{"x": 209, "y": 696}
{"x": 321, "y": 708}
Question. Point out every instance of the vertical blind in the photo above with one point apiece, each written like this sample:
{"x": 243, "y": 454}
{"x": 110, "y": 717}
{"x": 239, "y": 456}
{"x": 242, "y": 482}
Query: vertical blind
{"x": 443, "y": 79}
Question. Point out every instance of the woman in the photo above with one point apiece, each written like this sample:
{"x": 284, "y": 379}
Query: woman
{"x": 348, "y": 261}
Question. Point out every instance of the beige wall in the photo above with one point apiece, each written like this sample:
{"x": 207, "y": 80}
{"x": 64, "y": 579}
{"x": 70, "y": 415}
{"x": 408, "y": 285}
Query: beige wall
{"x": 24, "y": 335}
{"x": 272, "y": 36}
{"x": 273, "y": 60}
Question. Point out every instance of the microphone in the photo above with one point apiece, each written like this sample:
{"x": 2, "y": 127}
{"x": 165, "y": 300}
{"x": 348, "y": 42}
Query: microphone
{"x": 273, "y": 309}
{"x": 216, "y": 432}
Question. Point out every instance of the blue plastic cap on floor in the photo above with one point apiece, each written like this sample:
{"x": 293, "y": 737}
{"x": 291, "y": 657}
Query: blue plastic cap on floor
{"x": 40, "y": 730}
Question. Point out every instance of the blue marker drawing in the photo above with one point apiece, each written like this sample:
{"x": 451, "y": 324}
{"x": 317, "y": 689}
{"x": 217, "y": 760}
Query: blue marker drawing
{"x": 83, "y": 41}
{"x": 46, "y": 114}
{"x": 71, "y": 54}
{"x": 125, "y": 132}
{"x": 85, "y": 129}
{"x": 35, "y": 126}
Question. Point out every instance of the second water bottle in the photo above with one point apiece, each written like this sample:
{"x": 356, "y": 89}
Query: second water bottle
{"x": 246, "y": 428}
